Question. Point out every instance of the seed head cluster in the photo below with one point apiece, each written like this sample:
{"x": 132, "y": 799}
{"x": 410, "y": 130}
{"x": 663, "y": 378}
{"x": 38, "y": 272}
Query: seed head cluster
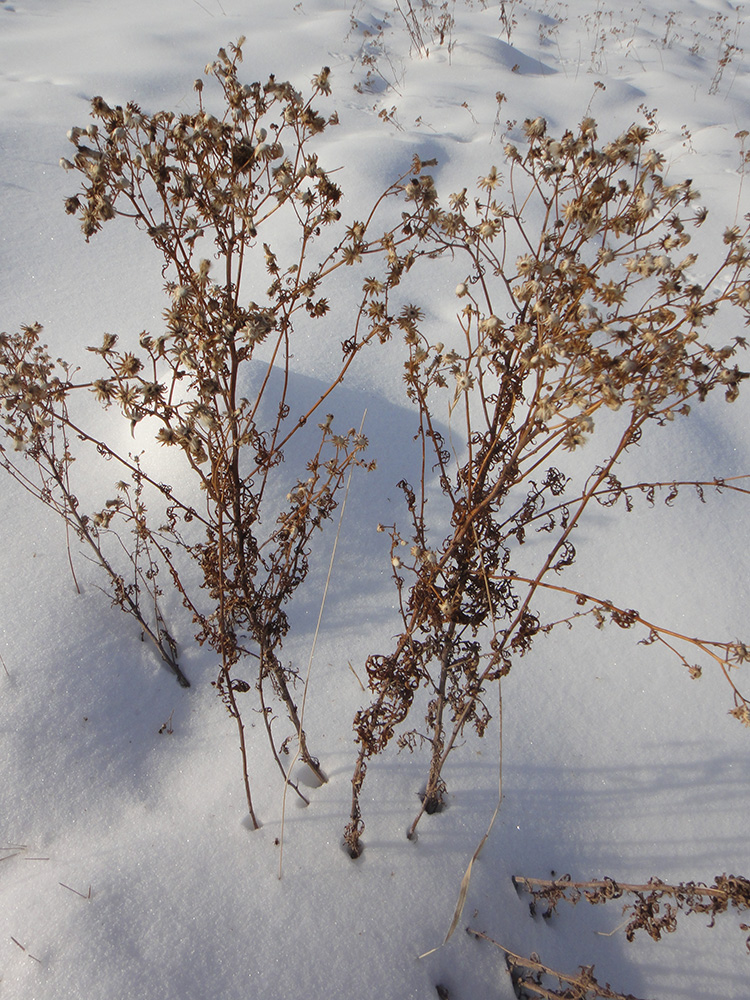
{"x": 591, "y": 316}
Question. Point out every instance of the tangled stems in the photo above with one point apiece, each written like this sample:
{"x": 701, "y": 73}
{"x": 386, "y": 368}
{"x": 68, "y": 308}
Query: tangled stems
{"x": 588, "y": 312}
{"x": 212, "y": 192}
{"x": 577, "y": 310}
{"x": 528, "y": 977}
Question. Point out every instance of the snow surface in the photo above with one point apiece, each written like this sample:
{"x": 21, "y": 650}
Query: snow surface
{"x": 615, "y": 762}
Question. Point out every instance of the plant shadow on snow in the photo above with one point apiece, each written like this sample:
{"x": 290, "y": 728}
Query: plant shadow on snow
{"x": 373, "y": 496}
{"x": 601, "y": 820}
{"x": 361, "y": 551}
{"x": 95, "y": 727}
{"x": 560, "y": 802}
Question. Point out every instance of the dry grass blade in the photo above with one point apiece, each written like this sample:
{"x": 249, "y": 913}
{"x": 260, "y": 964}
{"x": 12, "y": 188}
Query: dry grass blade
{"x": 24, "y": 949}
{"x": 83, "y": 895}
{"x": 464, "y": 890}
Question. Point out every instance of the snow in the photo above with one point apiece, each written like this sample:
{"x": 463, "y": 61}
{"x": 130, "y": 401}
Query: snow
{"x": 614, "y": 761}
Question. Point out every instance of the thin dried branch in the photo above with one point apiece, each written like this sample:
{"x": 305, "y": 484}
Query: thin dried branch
{"x": 655, "y": 904}
{"x": 528, "y": 977}
{"x": 728, "y": 655}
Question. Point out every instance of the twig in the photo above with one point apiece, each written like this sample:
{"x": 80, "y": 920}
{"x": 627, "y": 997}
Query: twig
{"x": 81, "y": 894}
{"x": 361, "y": 685}
{"x": 528, "y": 883}
{"x": 33, "y": 957}
{"x": 653, "y": 906}
{"x": 656, "y": 632}
{"x": 298, "y": 751}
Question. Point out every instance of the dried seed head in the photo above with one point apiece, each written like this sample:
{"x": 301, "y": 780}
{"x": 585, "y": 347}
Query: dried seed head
{"x": 535, "y": 128}
{"x": 321, "y": 80}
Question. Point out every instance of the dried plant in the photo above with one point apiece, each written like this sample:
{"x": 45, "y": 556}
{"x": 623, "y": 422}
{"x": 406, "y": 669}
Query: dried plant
{"x": 652, "y": 907}
{"x": 610, "y": 33}
{"x": 204, "y": 186}
{"x": 530, "y": 976}
{"x": 35, "y": 400}
{"x": 577, "y": 306}
{"x": 373, "y": 55}
{"x": 729, "y": 50}
{"x": 427, "y": 25}
{"x": 508, "y": 18}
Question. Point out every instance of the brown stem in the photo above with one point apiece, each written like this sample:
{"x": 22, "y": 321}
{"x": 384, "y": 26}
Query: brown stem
{"x": 270, "y": 664}
{"x": 225, "y": 674}
{"x": 163, "y": 642}
{"x": 656, "y": 630}
{"x": 265, "y": 711}
{"x": 355, "y": 827}
{"x": 662, "y": 887}
{"x": 585, "y": 982}
{"x": 235, "y": 713}
{"x": 535, "y": 583}
{"x": 432, "y": 800}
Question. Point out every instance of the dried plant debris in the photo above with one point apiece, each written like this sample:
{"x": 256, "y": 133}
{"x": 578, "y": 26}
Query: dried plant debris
{"x": 577, "y": 308}
{"x": 652, "y": 907}
{"x": 202, "y": 187}
{"x": 598, "y": 315}
{"x": 532, "y": 978}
